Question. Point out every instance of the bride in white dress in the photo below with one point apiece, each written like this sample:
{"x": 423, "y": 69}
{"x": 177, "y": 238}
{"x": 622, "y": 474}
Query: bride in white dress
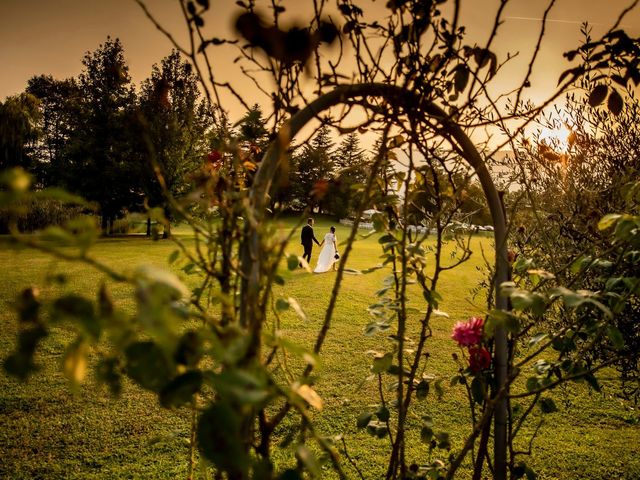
{"x": 327, "y": 257}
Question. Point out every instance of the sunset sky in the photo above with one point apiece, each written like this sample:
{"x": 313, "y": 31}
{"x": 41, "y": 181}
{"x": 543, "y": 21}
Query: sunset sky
{"x": 51, "y": 36}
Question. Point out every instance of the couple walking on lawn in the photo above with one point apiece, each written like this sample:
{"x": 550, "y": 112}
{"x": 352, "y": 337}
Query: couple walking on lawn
{"x": 329, "y": 252}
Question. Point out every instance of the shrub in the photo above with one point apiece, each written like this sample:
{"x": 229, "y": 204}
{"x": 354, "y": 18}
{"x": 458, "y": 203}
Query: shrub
{"x": 36, "y": 214}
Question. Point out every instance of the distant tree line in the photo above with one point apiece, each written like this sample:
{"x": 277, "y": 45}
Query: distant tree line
{"x": 98, "y": 136}
{"x": 95, "y": 135}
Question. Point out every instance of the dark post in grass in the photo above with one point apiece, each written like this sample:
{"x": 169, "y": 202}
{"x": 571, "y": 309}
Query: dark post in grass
{"x": 418, "y": 108}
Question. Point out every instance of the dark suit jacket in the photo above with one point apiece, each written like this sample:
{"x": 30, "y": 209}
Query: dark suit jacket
{"x": 306, "y": 237}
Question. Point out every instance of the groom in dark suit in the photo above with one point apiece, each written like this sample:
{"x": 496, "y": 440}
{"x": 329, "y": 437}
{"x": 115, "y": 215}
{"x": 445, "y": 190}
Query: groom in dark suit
{"x": 307, "y": 238}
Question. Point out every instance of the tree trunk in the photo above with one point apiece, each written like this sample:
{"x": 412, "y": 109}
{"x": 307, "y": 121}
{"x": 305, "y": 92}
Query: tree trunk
{"x": 148, "y": 226}
{"x": 166, "y": 233}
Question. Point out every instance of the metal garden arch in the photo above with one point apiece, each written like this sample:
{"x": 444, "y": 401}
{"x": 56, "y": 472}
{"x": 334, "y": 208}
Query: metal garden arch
{"x": 410, "y": 102}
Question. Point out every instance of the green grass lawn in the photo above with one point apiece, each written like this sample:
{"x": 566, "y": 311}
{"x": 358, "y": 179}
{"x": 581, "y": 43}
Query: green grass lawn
{"x": 48, "y": 432}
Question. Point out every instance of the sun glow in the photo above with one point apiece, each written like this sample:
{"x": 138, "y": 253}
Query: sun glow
{"x": 559, "y": 139}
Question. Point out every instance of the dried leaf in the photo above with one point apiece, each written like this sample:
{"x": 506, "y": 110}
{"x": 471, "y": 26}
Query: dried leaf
{"x": 310, "y": 396}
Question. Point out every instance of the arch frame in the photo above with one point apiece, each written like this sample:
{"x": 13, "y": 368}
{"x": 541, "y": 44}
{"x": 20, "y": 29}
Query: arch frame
{"x": 412, "y": 103}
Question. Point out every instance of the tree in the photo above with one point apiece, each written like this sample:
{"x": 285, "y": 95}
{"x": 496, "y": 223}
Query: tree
{"x": 251, "y": 142}
{"x": 222, "y": 132}
{"x": 252, "y": 129}
{"x": 59, "y": 103}
{"x": 174, "y": 122}
{"x": 313, "y": 169}
{"x": 350, "y": 175}
{"x": 100, "y": 147}
{"x": 284, "y": 194}
{"x": 19, "y": 131}
{"x": 350, "y": 160}
{"x": 471, "y": 199}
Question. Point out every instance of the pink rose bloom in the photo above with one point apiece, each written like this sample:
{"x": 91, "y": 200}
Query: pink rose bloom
{"x": 468, "y": 333}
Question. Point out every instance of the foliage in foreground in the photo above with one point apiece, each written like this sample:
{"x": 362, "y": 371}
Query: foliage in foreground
{"x": 567, "y": 223}
{"x": 210, "y": 348}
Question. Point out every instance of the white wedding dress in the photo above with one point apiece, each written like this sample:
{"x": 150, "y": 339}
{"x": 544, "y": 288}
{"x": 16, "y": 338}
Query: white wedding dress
{"x": 326, "y": 259}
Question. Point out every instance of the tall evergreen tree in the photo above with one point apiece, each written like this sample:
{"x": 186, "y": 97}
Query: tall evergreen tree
{"x": 350, "y": 171}
{"x": 383, "y": 187}
{"x": 175, "y": 121}
{"x": 314, "y": 168}
{"x": 100, "y": 147}
{"x": 222, "y": 133}
{"x": 351, "y": 159}
{"x": 252, "y": 128}
{"x": 284, "y": 195}
{"x": 59, "y": 104}
{"x": 253, "y": 138}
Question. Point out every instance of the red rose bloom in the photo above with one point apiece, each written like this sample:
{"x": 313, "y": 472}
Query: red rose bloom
{"x": 214, "y": 156}
{"x": 479, "y": 359}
